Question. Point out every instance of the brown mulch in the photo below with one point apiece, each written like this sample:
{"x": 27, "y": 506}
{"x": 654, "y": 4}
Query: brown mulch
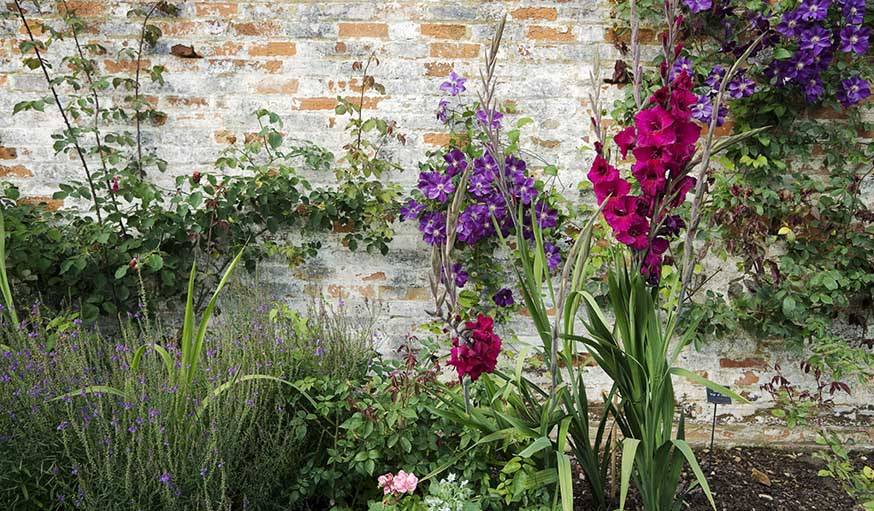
{"x": 783, "y": 481}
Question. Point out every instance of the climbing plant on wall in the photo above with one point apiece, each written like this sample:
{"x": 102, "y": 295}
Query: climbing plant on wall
{"x": 131, "y": 234}
{"x": 790, "y": 208}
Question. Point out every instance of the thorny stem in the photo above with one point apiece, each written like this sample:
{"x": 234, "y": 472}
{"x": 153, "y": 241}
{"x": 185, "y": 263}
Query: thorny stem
{"x": 86, "y": 67}
{"x": 60, "y": 106}
{"x": 137, "y": 89}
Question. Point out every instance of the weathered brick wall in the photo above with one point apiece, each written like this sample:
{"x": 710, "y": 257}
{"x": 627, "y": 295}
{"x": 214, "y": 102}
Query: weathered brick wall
{"x": 295, "y": 57}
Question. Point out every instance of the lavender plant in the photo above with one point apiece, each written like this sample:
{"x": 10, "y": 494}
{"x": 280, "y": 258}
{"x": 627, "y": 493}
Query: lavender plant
{"x": 117, "y": 452}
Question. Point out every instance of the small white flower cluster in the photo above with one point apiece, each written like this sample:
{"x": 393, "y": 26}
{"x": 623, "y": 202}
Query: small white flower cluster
{"x": 450, "y": 495}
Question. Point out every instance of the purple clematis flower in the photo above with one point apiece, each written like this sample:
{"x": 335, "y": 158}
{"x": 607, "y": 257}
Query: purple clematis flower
{"x": 483, "y": 117}
{"x": 524, "y": 189}
{"x": 853, "y": 90}
{"x": 436, "y": 186}
{"x": 714, "y": 79}
{"x": 854, "y": 39}
{"x": 456, "y": 162}
{"x": 741, "y": 87}
{"x": 443, "y": 111}
{"x": 853, "y": 11}
{"x": 480, "y": 185}
{"x": 553, "y": 256}
{"x": 816, "y": 40}
{"x": 473, "y": 223}
{"x": 411, "y": 210}
{"x": 813, "y": 89}
{"x": 433, "y": 227}
{"x": 814, "y": 10}
{"x": 504, "y": 298}
{"x": 697, "y": 6}
{"x": 790, "y": 24}
{"x": 680, "y": 65}
{"x": 455, "y": 85}
{"x": 460, "y": 276}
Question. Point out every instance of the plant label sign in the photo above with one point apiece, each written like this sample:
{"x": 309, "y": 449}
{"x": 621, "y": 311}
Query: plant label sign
{"x": 717, "y": 398}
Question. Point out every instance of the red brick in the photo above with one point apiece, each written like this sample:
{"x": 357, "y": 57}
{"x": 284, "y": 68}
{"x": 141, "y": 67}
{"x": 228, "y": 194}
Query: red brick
{"x": 439, "y": 31}
{"x": 748, "y": 378}
{"x": 15, "y": 171}
{"x": 438, "y": 139}
{"x": 540, "y": 33}
{"x": 83, "y": 8}
{"x": 363, "y": 30}
{"x": 278, "y": 86}
{"x": 380, "y": 275}
{"x": 48, "y": 202}
{"x": 125, "y": 66}
{"x": 316, "y": 103}
{"x": 743, "y": 362}
{"x": 8, "y": 153}
{"x": 215, "y": 9}
{"x": 273, "y": 49}
{"x": 454, "y": 51}
{"x": 614, "y": 36}
{"x": 226, "y": 50}
{"x": 187, "y": 101}
{"x": 437, "y": 68}
{"x": 535, "y": 13}
{"x": 261, "y": 28}
{"x": 225, "y": 137}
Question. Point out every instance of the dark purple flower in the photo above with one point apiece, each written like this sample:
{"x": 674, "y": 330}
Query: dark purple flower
{"x": 702, "y": 111}
{"x": 854, "y": 39}
{"x": 741, "y": 86}
{"x": 455, "y": 85}
{"x": 815, "y": 40}
{"x": 799, "y": 66}
{"x": 813, "y": 89}
{"x": 433, "y": 227}
{"x": 166, "y": 479}
{"x": 504, "y": 298}
{"x": 553, "y": 255}
{"x": 853, "y": 90}
{"x": 456, "y": 162}
{"x": 459, "y": 275}
{"x": 514, "y": 167}
{"x": 524, "y": 189}
{"x": 672, "y": 226}
{"x": 546, "y": 216}
{"x": 486, "y": 163}
{"x": 473, "y": 223}
{"x": 63, "y": 425}
{"x": 854, "y": 11}
{"x": 497, "y": 207}
{"x": 789, "y": 24}
{"x": 814, "y": 10}
{"x": 480, "y": 184}
{"x": 483, "y": 117}
{"x": 714, "y": 79}
{"x": 411, "y": 210}
{"x": 436, "y": 186}
{"x": 697, "y": 6}
{"x": 443, "y": 111}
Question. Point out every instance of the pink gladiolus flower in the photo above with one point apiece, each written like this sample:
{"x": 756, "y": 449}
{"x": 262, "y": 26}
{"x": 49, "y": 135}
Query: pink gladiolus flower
{"x": 602, "y": 171}
{"x": 651, "y": 176}
{"x": 655, "y": 127}
{"x": 637, "y": 234}
{"x": 616, "y": 188}
{"x": 684, "y": 186}
{"x": 626, "y": 139}
{"x": 620, "y": 212}
{"x": 479, "y": 354}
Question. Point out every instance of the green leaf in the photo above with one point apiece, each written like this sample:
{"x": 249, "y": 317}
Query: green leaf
{"x": 693, "y": 463}
{"x": 565, "y": 481}
{"x": 535, "y": 447}
{"x": 629, "y": 449}
{"x": 121, "y": 272}
{"x": 782, "y": 54}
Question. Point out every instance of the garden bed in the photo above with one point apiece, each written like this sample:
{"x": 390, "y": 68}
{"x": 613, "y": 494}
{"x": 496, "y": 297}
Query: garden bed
{"x": 790, "y": 482}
